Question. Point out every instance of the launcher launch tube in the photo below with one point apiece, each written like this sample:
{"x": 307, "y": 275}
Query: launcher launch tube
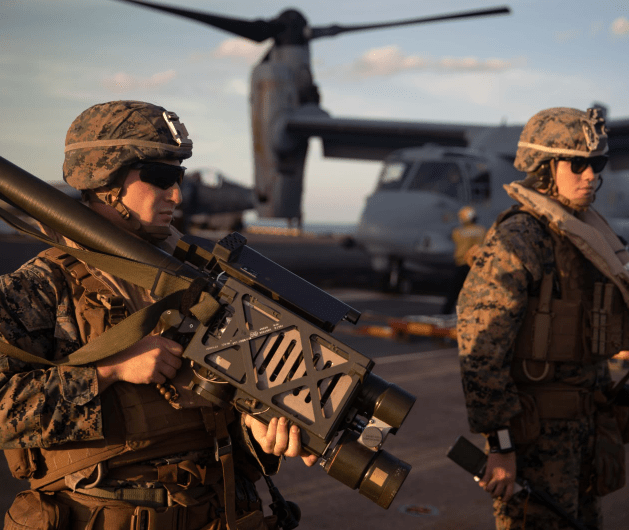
{"x": 75, "y": 220}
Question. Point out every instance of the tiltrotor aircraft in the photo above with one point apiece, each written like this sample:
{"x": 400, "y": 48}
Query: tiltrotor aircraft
{"x": 407, "y": 220}
{"x": 406, "y": 223}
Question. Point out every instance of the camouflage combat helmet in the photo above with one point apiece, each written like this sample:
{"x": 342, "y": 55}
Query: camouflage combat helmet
{"x": 467, "y": 215}
{"x": 111, "y": 136}
{"x": 561, "y": 132}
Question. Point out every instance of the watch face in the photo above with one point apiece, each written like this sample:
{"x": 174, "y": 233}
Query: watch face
{"x": 504, "y": 439}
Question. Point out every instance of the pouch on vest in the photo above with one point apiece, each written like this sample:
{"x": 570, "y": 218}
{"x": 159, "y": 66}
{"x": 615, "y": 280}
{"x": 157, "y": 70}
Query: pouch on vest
{"x": 610, "y": 329}
{"x": 525, "y": 427}
{"x": 33, "y": 510}
{"x": 609, "y": 454}
{"x": 549, "y": 333}
{"x": 22, "y": 462}
{"x": 99, "y": 312}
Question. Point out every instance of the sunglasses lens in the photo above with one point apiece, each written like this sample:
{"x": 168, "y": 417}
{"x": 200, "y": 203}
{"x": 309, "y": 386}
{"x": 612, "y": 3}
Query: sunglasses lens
{"x": 579, "y": 164}
{"x": 161, "y": 175}
{"x": 598, "y": 163}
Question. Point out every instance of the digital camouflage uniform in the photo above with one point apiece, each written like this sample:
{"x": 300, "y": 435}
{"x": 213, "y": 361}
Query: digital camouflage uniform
{"x": 491, "y": 308}
{"x": 554, "y": 454}
{"x": 50, "y": 409}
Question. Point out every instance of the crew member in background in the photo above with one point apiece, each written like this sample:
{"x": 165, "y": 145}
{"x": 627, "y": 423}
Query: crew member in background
{"x": 467, "y": 238}
{"x": 101, "y": 446}
{"x": 542, "y": 310}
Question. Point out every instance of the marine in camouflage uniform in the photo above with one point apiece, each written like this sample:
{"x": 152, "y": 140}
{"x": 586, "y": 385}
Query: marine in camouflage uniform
{"x": 534, "y": 379}
{"x": 466, "y": 237}
{"x": 103, "y": 451}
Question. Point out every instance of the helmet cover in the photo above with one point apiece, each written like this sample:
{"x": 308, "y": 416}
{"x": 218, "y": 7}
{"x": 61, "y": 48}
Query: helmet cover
{"x": 561, "y": 132}
{"x": 107, "y": 137}
{"x": 467, "y": 215}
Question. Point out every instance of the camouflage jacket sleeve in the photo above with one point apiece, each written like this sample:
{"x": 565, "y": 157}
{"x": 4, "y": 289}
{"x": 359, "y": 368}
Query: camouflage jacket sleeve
{"x": 492, "y": 305}
{"x": 42, "y": 406}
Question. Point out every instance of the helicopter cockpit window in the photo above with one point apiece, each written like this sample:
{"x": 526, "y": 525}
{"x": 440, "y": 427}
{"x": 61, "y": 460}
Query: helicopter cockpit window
{"x": 480, "y": 188}
{"x": 392, "y": 175}
{"x": 439, "y": 177}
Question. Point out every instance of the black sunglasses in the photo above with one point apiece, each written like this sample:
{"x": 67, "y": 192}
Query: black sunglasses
{"x": 579, "y": 164}
{"x": 161, "y": 175}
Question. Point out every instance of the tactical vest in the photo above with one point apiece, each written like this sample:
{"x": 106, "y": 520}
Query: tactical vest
{"x": 577, "y": 316}
{"x": 139, "y": 423}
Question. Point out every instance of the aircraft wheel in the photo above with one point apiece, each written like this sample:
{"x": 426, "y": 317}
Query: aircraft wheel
{"x": 396, "y": 280}
{"x": 405, "y": 285}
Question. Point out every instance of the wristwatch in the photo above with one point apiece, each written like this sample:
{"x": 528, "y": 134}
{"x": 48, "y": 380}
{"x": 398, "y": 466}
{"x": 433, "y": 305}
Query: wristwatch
{"x": 500, "y": 441}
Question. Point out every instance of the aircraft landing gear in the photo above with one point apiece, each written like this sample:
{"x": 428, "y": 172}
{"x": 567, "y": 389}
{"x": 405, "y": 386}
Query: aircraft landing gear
{"x": 397, "y": 278}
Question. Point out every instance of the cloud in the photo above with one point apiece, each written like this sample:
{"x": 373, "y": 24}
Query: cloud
{"x": 523, "y": 91}
{"x": 620, "y": 26}
{"x": 236, "y": 86}
{"x": 386, "y": 61}
{"x": 389, "y": 60}
{"x": 241, "y": 49}
{"x": 568, "y": 35}
{"x": 123, "y": 82}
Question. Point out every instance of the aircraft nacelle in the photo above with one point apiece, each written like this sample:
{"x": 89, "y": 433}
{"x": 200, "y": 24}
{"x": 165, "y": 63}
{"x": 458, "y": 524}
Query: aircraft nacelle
{"x": 280, "y": 85}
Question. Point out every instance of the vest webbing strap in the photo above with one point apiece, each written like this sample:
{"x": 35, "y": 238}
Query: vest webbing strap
{"x": 225, "y": 455}
{"x": 543, "y": 319}
{"x": 168, "y": 287}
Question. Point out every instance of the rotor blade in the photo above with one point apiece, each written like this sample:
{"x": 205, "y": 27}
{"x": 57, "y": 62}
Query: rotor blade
{"x": 331, "y": 31}
{"x": 256, "y": 30}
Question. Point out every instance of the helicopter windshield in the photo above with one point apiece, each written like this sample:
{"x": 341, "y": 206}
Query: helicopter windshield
{"x": 480, "y": 185}
{"x": 439, "y": 177}
{"x": 392, "y": 175}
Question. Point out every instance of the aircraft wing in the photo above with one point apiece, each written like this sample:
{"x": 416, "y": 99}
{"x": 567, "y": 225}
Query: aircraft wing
{"x": 375, "y": 139}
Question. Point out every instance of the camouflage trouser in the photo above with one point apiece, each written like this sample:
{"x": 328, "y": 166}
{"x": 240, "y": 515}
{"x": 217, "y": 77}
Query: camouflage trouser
{"x": 560, "y": 463}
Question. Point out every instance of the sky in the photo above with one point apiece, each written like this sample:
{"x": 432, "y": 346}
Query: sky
{"x": 58, "y": 57}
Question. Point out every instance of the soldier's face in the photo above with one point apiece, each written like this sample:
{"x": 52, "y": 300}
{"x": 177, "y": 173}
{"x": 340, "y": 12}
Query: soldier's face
{"x": 150, "y": 204}
{"x": 578, "y": 187}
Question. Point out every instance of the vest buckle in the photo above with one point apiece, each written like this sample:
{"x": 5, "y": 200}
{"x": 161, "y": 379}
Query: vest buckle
{"x": 222, "y": 447}
{"x": 115, "y": 305}
{"x": 144, "y": 518}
